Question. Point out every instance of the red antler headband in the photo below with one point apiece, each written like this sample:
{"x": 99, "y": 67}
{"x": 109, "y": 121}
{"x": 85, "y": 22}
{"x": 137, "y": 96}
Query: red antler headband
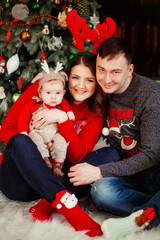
{"x": 81, "y": 31}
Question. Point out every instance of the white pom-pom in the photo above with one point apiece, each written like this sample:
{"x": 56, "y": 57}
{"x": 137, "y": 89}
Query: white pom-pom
{"x": 12, "y": 64}
{"x": 105, "y": 131}
{"x": 59, "y": 206}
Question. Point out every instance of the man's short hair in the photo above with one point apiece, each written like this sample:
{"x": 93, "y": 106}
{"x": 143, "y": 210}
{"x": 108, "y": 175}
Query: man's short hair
{"x": 114, "y": 46}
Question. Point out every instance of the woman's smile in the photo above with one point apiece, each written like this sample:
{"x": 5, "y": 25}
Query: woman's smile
{"x": 82, "y": 83}
{"x": 81, "y": 92}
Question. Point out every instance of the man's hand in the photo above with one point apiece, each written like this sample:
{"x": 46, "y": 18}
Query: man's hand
{"x": 84, "y": 173}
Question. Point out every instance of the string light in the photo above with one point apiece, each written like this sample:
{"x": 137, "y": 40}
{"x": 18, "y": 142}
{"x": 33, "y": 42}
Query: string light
{"x": 43, "y": 15}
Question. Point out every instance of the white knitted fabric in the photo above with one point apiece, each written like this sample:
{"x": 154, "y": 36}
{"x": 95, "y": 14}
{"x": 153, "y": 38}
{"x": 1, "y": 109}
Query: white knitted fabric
{"x": 118, "y": 227}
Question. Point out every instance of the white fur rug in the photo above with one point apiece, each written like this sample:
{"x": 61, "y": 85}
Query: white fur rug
{"x": 16, "y": 224}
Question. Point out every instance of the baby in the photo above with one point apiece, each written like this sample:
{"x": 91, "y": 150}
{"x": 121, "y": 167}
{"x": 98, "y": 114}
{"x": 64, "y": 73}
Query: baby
{"x": 51, "y": 91}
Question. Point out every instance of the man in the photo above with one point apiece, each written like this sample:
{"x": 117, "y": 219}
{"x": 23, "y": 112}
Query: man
{"x": 133, "y": 128}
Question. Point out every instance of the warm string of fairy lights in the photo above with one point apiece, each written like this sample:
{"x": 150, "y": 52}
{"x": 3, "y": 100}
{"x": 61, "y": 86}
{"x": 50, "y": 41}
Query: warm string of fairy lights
{"x": 42, "y": 15}
{"x": 25, "y": 24}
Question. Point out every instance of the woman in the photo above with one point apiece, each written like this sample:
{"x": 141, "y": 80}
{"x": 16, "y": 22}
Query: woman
{"x": 24, "y": 176}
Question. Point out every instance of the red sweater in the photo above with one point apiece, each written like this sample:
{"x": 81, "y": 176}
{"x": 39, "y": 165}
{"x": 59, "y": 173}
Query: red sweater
{"x": 31, "y": 107}
{"x": 89, "y": 127}
{"x": 87, "y": 123}
{"x": 9, "y": 125}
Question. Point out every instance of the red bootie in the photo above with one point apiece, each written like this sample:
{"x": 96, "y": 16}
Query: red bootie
{"x": 67, "y": 204}
{"x": 41, "y": 211}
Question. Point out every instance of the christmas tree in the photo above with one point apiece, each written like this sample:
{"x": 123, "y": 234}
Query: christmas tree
{"x": 27, "y": 27}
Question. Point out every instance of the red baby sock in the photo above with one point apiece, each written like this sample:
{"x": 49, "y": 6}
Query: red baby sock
{"x": 67, "y": 204}
{"x": 41, "y": 211}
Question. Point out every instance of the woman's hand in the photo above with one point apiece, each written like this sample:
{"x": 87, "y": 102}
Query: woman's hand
{"x": 43, "y": 117}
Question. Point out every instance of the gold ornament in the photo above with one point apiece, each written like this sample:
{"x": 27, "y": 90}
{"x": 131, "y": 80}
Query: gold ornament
{"x": 62, "y": 19}
{"x": 57, "y": 2}
{"x": 1, "y": 10}
{"x": 81, "y": 7}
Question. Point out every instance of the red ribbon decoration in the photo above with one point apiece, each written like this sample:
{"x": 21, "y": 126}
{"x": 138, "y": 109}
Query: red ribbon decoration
{"x": 9, "y": 30}
{"x": 20, "y": 84}
{"x": 16, "y": 20}
{"x": 64, "y": 7}
{"x": 3, "y": 24}
{"x": 28, "y": 26}
{"x": 31, "y": 22}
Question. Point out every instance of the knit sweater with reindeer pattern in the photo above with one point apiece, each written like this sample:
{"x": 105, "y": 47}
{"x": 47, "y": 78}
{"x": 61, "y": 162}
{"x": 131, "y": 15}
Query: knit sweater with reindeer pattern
{"x": 133, "y": 123}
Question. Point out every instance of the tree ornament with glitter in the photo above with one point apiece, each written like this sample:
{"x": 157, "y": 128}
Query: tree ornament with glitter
{"x": 81, "y": 7}
{"x": 25, "y": 36}
{"x": 55, "y": 43}
{"x": 94, "y": 20}
{"x": 45, "y": 30}
{"x": 3, "y": 68}
{"x": 15, "y": 96}
{"x": 20, "y": 85}
{"x": 12, "y": 64}
{"x": 57, "y": 2}
{"x": 62, "y": 19}
{"x": 2, "y": 93}
{"x": 36, "y": 5}
{"x": 71, "y": 56}
{"x": 3, "y": 104}
{"x": 7, "y": 4}
{"x": 20, "y": 11}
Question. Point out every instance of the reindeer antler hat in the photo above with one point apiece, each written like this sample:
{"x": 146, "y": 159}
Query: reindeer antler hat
{"x": 49, "y": 73}
{"x": 81, "y": 31}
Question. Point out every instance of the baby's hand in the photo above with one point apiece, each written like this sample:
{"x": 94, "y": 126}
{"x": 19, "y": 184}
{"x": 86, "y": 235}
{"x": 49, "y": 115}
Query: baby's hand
{"x": 70, "y": 115}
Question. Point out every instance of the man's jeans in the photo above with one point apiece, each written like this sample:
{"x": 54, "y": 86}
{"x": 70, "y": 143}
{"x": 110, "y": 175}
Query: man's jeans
{"x": 95, "y": 158}
{"x": 120, "y": 195}
{"x": 154, "y": 203}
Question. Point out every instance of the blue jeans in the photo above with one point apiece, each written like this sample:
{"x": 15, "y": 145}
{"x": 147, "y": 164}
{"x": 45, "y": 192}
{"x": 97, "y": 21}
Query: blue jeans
{"x": 154, "y": 203}
{"x": 24, "y": 175}
{"x": 120, "y": 195}
{"x": 95, "y": 158}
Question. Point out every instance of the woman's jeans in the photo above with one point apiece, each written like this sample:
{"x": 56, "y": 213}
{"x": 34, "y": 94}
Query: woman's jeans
{"x": 24, "y": 175}
{"x": 120, "y": 195}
